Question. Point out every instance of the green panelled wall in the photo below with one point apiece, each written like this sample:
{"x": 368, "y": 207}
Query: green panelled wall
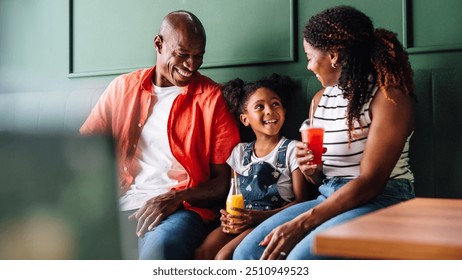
{"x": 101, "y": 47}
{"x": 57, "y": 45}
{"x": 35, "y": 37}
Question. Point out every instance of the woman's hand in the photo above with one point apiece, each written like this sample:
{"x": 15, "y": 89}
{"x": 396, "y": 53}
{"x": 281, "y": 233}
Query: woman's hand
{"x": 312, "y": 172}
{"x": 281, "y": 240}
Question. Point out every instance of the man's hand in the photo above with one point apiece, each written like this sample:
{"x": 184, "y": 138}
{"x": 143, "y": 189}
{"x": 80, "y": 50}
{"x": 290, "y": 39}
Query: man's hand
{"x": 207, "y": 194}
{"x": 154, "y": 210}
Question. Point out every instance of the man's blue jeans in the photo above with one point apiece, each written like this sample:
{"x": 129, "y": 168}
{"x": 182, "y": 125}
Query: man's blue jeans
{"x": 175, "y": 238}
{"x": 396, "y": 190}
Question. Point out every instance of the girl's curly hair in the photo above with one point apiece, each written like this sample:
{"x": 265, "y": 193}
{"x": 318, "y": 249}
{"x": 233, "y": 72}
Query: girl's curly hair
{"x": 237, "y": 92}
{"x": 367, "y": 56}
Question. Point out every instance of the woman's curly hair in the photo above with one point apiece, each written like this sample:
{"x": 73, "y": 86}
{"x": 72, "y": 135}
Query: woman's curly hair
{"x": 366, "y": 56}
{"x": 237, "y": 92}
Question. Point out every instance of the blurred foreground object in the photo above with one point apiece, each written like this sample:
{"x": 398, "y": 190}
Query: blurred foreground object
{"x": 58, "y": 197}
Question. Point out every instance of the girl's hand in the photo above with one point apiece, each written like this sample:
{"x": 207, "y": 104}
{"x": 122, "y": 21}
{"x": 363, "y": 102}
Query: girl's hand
{"x": 229, "y": 222}
{"x": 245, "y": 219}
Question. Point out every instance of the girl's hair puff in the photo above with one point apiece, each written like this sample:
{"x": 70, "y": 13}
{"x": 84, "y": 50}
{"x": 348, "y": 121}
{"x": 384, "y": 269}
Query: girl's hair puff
{"x": 237, "y": 92}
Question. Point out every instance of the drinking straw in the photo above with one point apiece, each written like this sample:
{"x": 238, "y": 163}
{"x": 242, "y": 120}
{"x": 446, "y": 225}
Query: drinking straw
{"x": 235, "y": 178}
{"x": 312, "y": 112}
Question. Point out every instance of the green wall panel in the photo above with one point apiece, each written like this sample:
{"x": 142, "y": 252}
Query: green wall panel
{"x": 33, "y": 43}
{"x": 111, "y": 37}
{"x": 435, "y": 24}
{"x": 384, "y": 13}
{"x": 422, "y": 142}
{"x": 446, "y": 85}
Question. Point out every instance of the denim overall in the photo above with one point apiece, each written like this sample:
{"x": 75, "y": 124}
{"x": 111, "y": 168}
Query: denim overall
{"x": 259, "y": 187}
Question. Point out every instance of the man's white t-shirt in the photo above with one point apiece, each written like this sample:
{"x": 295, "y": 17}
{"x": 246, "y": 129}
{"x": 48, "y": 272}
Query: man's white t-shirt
{"x": 158, "y": 170}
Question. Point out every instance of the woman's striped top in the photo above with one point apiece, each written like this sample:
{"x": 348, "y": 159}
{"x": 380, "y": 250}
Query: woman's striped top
{"x": 342, "y": 159}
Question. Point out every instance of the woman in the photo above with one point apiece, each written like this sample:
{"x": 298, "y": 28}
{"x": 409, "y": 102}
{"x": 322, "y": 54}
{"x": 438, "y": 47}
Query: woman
{"x": 366, "y": 110}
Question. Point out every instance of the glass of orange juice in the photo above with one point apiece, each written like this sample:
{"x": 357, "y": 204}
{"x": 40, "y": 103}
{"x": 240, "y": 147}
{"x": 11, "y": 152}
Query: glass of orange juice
{"x": 236, "y": 200}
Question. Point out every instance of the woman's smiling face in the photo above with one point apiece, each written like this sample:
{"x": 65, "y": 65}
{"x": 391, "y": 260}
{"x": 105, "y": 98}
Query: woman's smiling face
{"x": 320, "y": 63}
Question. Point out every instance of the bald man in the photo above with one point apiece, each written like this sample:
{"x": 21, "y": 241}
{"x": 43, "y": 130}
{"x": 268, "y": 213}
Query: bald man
{"x": 173, "y": 134}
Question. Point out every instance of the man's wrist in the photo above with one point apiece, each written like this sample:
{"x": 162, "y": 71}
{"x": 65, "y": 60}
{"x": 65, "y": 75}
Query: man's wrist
{"x": 179, "y": 196}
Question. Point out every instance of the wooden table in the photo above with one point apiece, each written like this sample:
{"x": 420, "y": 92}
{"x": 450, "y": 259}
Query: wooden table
{"x": 421, "y": 228}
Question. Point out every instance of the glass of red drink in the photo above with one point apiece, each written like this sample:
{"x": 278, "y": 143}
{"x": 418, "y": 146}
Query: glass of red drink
{"x": 314, "y": 137}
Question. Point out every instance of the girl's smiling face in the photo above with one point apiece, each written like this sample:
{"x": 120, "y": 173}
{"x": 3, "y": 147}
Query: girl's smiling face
{"x": 320, "y": 63}
{"x": 264, "y": 112}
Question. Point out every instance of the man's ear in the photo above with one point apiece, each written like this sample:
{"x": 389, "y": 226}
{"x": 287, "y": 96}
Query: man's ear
{"x": 158, "y": 43}
{"x": 244, "y": 119}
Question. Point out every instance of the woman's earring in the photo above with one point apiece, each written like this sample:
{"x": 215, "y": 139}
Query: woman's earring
{"x": 334, "y": 65}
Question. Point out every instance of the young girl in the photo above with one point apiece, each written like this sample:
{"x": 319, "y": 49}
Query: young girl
{"x": 268, "y": 173}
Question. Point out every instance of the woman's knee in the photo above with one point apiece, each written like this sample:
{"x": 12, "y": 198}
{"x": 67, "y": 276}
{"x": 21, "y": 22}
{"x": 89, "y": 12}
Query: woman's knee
{"x": 240, "y": 252}
{"x": 248, "y": 249}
